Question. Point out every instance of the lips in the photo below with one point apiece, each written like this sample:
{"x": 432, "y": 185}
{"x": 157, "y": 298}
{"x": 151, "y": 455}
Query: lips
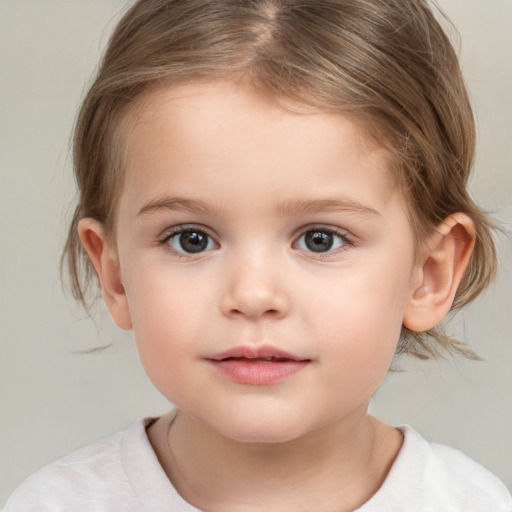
{"x": 257, "y": 366}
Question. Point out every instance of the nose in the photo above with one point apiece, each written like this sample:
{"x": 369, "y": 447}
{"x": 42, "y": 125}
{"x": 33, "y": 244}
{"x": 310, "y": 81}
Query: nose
{"x": 254, "y": 290}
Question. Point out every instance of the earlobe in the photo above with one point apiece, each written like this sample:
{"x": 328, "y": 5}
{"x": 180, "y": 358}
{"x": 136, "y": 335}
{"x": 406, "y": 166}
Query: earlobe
{"x": 439, "y": 271}
{"x": 105, "y": 261}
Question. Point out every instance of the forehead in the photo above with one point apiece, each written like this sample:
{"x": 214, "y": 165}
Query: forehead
{"x": 224, "y": 134}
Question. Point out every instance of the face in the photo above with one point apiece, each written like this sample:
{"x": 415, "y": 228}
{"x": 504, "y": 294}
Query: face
{"x": 266, "y": 260}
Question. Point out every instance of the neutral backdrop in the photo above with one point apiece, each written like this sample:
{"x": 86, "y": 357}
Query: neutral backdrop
{"x": 55, "y": 398}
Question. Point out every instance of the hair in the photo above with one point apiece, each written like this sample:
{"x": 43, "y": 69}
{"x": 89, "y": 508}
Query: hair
{"x": 388, "y": 63}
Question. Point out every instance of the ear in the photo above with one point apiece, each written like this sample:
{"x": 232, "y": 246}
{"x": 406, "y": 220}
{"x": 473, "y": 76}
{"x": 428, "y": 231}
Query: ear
{"x": 439, "y": 271}
{"x": 106, "y": 263}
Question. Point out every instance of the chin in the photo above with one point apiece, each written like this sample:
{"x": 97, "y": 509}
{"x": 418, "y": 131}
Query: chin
{"x": 260, "y": 430}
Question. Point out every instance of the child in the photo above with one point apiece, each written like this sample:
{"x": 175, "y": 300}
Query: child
{"x": 273, "y": 197}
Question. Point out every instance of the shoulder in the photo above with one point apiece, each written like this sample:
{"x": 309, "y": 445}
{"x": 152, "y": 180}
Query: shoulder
{"x": 448, "y": 468}
{"x": 84, "y": 479}
{"x": 433, "y": 477}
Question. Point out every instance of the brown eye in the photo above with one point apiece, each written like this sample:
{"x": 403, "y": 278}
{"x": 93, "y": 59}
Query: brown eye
{"x": 320, "y": 241}
{"x": 191, "y": 241}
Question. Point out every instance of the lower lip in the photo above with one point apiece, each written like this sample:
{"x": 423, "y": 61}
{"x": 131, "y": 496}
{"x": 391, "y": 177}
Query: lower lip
{"x": 257, "y": 373}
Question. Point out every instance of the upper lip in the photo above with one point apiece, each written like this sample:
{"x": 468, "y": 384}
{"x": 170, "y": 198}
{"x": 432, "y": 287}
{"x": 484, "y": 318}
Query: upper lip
{"x": 256, "y": 352}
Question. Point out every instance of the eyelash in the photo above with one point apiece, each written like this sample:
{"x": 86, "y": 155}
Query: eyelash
{"x": 346, "y": 241}
{"x": 186, "y": 228}
{"x": 344, "y": 238}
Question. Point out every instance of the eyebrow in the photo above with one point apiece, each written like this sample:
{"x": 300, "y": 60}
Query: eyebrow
{"x": 176, "y": 204}
{"x": 298, "y": 207}
{"x": 288, "y": 208}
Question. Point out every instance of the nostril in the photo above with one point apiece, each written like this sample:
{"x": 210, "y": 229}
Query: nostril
{"x": 270, "y": 313}
{"x": 253, "y": 300}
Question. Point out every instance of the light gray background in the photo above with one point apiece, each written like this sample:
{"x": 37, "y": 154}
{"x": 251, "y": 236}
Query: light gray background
{"x": 55, "y": 399}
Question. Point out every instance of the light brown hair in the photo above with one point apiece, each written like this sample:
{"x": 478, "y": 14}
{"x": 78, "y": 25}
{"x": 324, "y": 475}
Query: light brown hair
{"x": 386, "y": 62}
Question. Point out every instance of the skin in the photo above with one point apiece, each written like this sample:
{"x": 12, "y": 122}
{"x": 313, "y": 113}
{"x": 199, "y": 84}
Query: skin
{"x": 229, "y": 162}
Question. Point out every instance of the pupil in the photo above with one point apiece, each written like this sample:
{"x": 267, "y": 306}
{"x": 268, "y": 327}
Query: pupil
{"x": 192, "y": 241}
{"x": 319, "y": 241}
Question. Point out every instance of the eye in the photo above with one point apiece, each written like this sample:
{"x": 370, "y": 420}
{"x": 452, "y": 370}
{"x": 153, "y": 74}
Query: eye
{"x": 321, "y": 240}
{"x": 190, "y": 240}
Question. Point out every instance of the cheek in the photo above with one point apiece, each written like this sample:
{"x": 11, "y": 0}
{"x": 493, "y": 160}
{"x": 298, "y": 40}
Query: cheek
{"x": 361, "y": 318}
{"x": 165, "y": 318}
{"x": 364, "y": 298}
{"x": 362, "y": 346}
{"x": 161, "y": 299}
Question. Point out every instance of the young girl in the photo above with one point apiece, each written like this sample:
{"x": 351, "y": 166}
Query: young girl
{"x": 273, "y": 197}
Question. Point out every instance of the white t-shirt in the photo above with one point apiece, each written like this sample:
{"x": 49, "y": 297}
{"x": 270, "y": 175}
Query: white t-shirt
{"x": 121, "y": 473}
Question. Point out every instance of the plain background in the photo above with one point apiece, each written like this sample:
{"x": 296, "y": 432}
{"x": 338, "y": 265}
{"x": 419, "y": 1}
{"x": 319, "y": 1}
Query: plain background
{"x": 54, "y": 398}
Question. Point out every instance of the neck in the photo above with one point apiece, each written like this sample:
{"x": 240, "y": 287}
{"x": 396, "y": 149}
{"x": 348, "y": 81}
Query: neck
{"x": 337, "y": 467}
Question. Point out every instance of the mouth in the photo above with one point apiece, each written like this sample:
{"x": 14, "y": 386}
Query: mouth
{"x": 257, "y": 366}
{"x": 262, "y": 360}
